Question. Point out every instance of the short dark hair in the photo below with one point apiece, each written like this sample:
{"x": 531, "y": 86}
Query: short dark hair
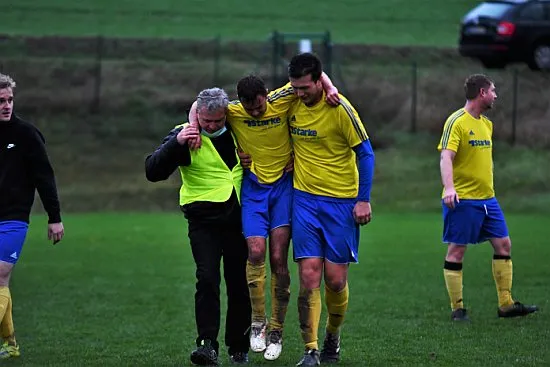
{"x": 474, "y": 83}
{"x": 250, "y": 87}
{"x": 305, "y": 64}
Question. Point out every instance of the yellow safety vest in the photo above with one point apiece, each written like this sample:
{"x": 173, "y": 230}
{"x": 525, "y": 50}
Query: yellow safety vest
{"x": 208, "y": 178}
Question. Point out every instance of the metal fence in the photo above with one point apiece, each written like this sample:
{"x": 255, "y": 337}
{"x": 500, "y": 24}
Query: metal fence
{"x": 409, "y": 89}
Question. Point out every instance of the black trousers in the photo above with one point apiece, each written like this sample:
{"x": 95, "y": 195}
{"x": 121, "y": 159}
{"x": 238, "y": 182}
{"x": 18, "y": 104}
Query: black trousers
{"x": 210, "y": 242}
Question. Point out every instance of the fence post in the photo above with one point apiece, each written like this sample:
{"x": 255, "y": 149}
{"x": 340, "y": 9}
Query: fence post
{"x": 328, "y": 53}
{"x": 217, "y": 57}
{"x": 96, "y": 99}
{"x": 514, "y": 108}
{"x": 275, "y": 60}
{"x": 414, "y": 88}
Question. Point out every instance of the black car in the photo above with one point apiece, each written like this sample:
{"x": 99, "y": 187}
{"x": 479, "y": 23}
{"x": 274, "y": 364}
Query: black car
{"x": 506, "y": 31}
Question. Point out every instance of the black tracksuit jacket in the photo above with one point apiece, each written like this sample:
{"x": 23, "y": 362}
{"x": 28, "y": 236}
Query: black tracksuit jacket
{"x": 25, "y": 168}
{"x": 170, "y": 154}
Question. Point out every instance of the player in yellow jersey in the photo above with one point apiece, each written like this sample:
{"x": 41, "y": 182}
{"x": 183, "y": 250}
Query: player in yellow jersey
{"x": 259, "y": 122}
{"x": 471, "y": 213}
{"x": 333, "y": 169}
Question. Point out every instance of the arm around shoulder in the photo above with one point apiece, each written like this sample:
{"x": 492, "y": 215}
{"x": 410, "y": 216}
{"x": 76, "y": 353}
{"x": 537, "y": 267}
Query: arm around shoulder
{"x": 331, "y": 91}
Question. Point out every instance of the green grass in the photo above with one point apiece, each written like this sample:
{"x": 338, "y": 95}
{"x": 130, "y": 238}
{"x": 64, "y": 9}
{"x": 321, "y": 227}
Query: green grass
{"x": 406, "y": 178}
{"x": 396, "y": 22}
{"x": 118, "y": 291}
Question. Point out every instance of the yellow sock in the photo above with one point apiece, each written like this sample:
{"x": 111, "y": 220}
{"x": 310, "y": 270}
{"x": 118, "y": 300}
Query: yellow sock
{"x": 453, "y": 281}
{"x": 8, "y": 331}
{"x": 5, "y": 297}
{"x": 309, "y": 313}
{"x": 280, "y": 295}
{"x": 337, "y": 304}
{"x": 6, "y": 318}
{"x": 502, "y": 272}
{"x": 255, "y": 275}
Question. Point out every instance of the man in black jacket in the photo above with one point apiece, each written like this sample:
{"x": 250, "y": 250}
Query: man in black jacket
{"x": 24, "y": 168}
{"x": 210, "y": 200}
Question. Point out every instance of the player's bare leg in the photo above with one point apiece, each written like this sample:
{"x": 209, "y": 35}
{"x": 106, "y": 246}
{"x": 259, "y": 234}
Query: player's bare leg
{"x": 5, "y": 273}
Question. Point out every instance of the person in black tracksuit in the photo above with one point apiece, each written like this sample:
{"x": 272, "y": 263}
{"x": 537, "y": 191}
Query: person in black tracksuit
{"x": 24, "y": 169}
{"x": 210, "y": 201}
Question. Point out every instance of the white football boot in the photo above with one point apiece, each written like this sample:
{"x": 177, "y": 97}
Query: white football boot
{"x": 257, "y": 336}
{"x": 274, "y": 345}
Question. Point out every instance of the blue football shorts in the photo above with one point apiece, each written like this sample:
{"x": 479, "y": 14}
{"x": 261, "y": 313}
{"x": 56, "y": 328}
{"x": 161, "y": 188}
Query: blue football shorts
{"x": 265, "y": 206}
{"x": 473, "y": 221}
{"x": 324, "y": 227}
{"x": 12, "y": 237}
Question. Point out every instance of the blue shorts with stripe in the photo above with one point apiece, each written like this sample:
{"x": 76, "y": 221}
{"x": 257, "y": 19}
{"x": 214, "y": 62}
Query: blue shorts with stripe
{"x": 473, "y": 221}
{"x": 324, "y": 227}
{"x": 12, "y": 237}
{"x": 265, "y": 206}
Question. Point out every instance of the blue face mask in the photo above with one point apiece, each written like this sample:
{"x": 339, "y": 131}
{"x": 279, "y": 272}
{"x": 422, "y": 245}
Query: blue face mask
{"x": 214, "y": 134}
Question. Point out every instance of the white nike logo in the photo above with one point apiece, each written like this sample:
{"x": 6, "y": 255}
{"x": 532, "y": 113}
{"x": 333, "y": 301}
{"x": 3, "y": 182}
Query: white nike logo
{"x": 10, "y": 146}
{"x": 14, "y": 255}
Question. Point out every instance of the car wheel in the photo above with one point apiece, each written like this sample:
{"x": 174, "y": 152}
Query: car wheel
{"x": 493, "y": 63}
{"x": 540, "y": 57}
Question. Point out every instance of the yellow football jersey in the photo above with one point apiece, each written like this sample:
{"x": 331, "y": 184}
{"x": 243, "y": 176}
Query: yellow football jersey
{"x": 265, "y": 139}
{"x": 323, "y": 137}
{"x": 471, "y": 139}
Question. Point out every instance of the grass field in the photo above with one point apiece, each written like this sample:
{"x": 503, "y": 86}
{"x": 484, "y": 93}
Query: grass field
{"x": 406, "y": 178}
{"x": 397, "y": 22}
{"x": 118, "y": 291}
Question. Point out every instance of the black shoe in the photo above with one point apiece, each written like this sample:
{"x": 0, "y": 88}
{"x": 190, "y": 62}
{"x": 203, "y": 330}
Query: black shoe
{"x": 517, "y": 309}
{"x": 460, "y": 314}
{"x": 331, "y": 348}
{"x": 239, "y": 358}
{"x": 205, "y": 354}
{"x": 310, "y": 358}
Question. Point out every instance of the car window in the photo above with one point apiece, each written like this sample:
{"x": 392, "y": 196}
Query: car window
{"x": 488, "y": 9}
{"x": 532, "y": 12}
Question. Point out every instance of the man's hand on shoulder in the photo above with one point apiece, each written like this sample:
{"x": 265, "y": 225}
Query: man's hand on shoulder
{"x": 195, "y": 143}
{"x": 187, "y": 134}
{"x": 333, "y": 98}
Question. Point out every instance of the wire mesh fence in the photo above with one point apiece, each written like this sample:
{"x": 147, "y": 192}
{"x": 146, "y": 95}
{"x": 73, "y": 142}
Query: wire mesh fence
{"x": 408, "y": 89}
